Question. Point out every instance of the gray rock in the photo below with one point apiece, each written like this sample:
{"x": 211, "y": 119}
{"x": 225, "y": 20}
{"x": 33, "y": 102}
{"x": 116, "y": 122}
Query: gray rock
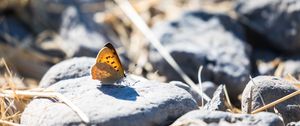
{"x": 80, "y": 39}
{"x": 294, "y": 123}
{"x": 78, "y": 34}
{"x": 12, "y": 28}
{"x": 277, "y": 20}
{"x": 53, "y": 16}
{"x": 186, "y": 87}
{"x": 209, "y": 39}
{"x": 268, "y": 89}
{"x": 207, "y": 87}
{"x": 131, "y": 103}
{"x": 267, "y": 62}
{"x": 217, "y": 102}
{"x": 263, "y": 61}
{"x": 219, "y": 118}
{"x": 68, "y": 69}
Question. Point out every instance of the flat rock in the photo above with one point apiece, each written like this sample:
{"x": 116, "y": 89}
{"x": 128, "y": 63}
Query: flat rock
{"x": 277, "y": 20}
{"x": 68, "y": 69}
{"x": 213, "y": 40}
{"x": 218, "y": 100}
{"x": 219, "y": 118}
{"x": 267, "y": 89}
{"x": 129, "y": 102}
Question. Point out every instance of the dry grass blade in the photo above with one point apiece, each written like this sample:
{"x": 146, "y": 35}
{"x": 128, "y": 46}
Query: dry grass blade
{"x": 9, "y": 80}
{"x": 276, "y": 102}
{"x": 202, "y": 94}
{"x": 278, "y": 72}
{"x": 9, "y": 123}
{"x": 12, "y": 94}
{"x": 293, "y": 80}
{"x": 200, "y": 83}
{"x": 142, "y": 26}
{"x": 227, "y": 96}
{"x": 249, "y": 100}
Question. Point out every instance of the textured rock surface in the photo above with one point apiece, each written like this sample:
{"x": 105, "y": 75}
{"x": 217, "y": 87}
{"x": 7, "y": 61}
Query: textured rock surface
{"x": 219, "y": 118}
{"x": 277, "y": 20}
{"x": 68, "y": 69}
{"x": 208, "y": 88}
{"x": 192, "y": 41}
{"x": 217, "y": 102}
{"x": 142, "y": 103}
{"x": 268, "y": 89}
{"x": 186, "y": 87}
{"x": 294, "y": 123}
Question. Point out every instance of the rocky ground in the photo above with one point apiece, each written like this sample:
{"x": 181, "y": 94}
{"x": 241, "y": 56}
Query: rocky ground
{"x": 249, "y": 51}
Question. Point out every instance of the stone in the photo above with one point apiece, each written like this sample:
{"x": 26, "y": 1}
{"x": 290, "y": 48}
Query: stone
{"x": 67, "y": 69}
{"x": 267, "y": 89}
{"x": 277, "y": 20}
{"x": 208, "y": 88}
{"x": 218, "y": 100}
{"x": 80, "y": 39}
{"x": 264, "y": 61}
{"x": 219, "y": 118}
{"x": 293, "y": 124}
{"x": 12, "y": 28}
{"x": 76, "y": 31}
{"x": 128, "y": 102}
{"x": 212, "y": 40}
{"x": 52, "y": 17}
{"x": 197, "y": 97}
{"x": 267, "y": 61}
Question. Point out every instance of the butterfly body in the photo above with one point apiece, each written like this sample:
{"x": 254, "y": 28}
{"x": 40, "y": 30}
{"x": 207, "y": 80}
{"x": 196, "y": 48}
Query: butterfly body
{"x": 108, "y": 68}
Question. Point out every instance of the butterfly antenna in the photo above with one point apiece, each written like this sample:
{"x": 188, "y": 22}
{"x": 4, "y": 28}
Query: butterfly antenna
{"x": 131, "y": 13}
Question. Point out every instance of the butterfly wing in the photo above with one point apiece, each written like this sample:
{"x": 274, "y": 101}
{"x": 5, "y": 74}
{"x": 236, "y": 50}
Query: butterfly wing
{"x": 108, "y": 67}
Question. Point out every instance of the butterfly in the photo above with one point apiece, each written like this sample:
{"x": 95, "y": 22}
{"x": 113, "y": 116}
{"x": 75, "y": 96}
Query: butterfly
{"x": 108, "y": 68}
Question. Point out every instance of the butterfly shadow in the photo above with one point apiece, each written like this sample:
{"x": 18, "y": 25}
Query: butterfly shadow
{"x": 119, "y": 92}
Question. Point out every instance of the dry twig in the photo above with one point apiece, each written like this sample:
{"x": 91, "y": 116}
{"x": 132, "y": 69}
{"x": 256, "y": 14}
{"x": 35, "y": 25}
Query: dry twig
{"x": 276, "y": 102}
{"x": 9, "y": 123}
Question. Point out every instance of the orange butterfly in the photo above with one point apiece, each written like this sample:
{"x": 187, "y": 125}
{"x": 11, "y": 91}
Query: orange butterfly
{"x": 108, "y": 68}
